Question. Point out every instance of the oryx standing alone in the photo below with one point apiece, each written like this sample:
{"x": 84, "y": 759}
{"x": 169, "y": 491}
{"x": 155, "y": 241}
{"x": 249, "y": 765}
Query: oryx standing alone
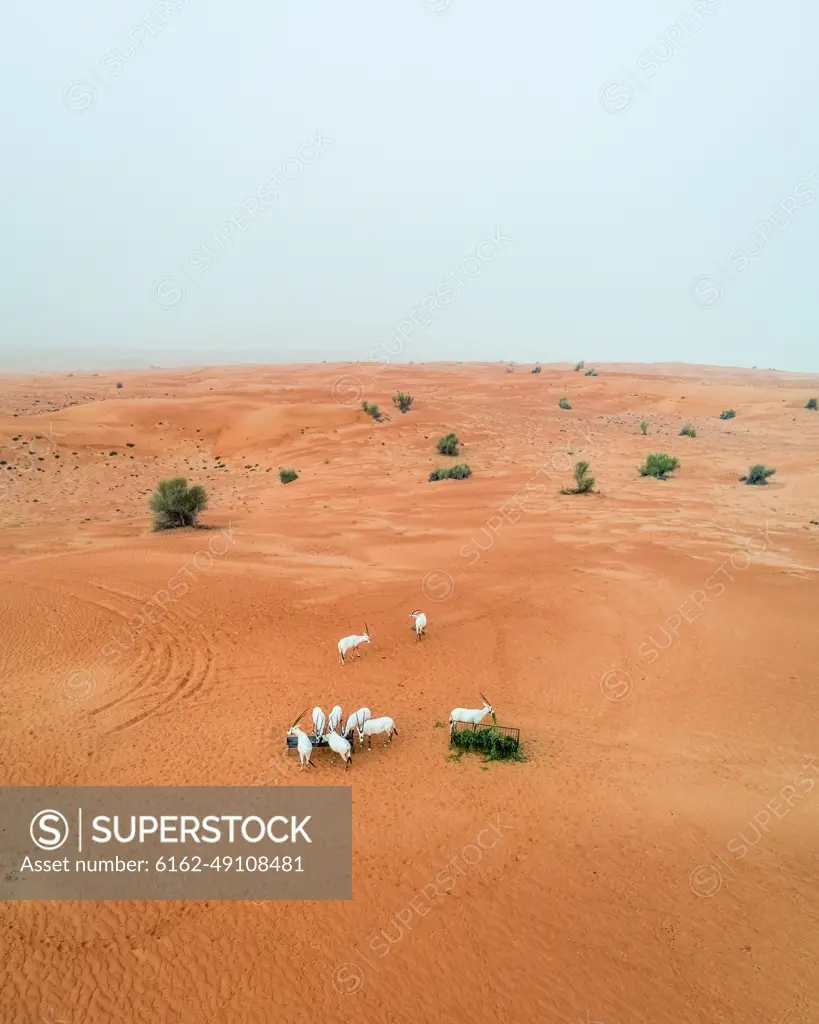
{"x": 471, "y": 715}
{"x": 420, "y": 623}
{"x": 351, "y": 643}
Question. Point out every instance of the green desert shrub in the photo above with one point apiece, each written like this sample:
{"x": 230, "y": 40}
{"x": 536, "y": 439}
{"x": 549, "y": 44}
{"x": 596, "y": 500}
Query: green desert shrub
{"x": 644, "y": 426}
{"x": 583, "y": 482}
{"x": 564, "y": 403}
{"x": 448, "y": 445}
{"x": 580, "y": 365}
{"x": 659, "y": 466}
{"x": 811, "y": 403}
{"x": 536, "y": 369}
{"x": 403, "y": 401}
{"x": 288, "y": 475}
{"x": 727, "y": 414}
{"x": 371, "y": 410}
{"x": 689, "y": 430}
{"x": 459, "y": 472}
{"x": 489, "y": 741}
{"x": 758, "y": 474}
{"x": 591, "y": 373}
{"x": 174, "y": 504}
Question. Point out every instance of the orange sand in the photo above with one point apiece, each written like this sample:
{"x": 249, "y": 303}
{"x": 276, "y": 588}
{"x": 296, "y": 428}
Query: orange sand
{"x": 600, "y": 899}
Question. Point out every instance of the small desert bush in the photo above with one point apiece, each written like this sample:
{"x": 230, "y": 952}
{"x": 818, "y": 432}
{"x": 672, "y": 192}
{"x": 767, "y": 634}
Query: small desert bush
{"x": 564, "y": 403}
{"x": 727, "y": 414}
{"x": 448, "y": 445}
{"x": 174, "y": 504}
{"x": 489, "y": 741}
{"x": 459, "y": 472}
{"x": 371, "y": 410}
{"x": 591, "y": 373}
{"x": 758, "y": 474}
{"x": 288, "y": 475}
{"x": 119, "y": 384}
{"x": 659, "y": 466}
{"x": 580, "y": 365}
{"x": 811, "y": 403}
{"x": 403, "y": 401}
{"x": 689, "y": 430}
{"x": 644, "y": 426}
{"x": 583, "y": 482}
{"x": 536, "y": 369}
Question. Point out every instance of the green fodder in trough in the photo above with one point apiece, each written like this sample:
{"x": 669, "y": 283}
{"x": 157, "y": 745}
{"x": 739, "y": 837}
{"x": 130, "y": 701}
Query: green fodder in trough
{"x": 489, "y": 741}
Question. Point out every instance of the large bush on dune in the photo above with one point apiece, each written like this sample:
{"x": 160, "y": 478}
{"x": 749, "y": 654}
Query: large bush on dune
{"x": 174, "y": 504}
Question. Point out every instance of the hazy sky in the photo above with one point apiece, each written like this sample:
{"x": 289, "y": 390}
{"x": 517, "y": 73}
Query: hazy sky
{"x": 345, "y": 165}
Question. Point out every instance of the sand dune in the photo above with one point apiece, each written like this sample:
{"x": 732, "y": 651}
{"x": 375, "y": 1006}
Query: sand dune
{"x": 654, "y": 642}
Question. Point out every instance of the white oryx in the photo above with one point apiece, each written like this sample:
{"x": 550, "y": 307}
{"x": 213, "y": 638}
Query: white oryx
{"x": 334, "y": 721}
{"x": 357, "y": 720}
{"x": 374, "y": 726}
{"x": 318, "y": 723}
{"x": 348, "y": 643}
{"x": 472, "y": 715}
{"x": 302, "y": 741}
{"x": 341, "y": 747}
{"x": 420, "y": 623}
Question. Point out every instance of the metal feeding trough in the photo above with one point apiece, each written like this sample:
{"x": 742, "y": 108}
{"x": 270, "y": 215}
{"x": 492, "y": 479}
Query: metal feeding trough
{"x": 503, "y": 730}
{"x": 319, "y": 741}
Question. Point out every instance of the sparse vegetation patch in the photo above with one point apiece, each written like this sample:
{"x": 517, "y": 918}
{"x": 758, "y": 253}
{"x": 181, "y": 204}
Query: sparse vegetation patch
{"x": 288, "y": 475}
{"x": 727, "y": 414}
{"x": 811, "y": 403}
{"x": 459, "y": 472}
{"x": 175, "y": 505}
{"x": 689, "y": 430}
{"x": 403, "y": 401}
{"x": 564, "y": 403}
{"x": 583, "y": 482}
{"x": 448, "y": 445}
{"x": 659, "y": 466}
{"x": 580, "y": 365}
{"x": 758, "y": 475}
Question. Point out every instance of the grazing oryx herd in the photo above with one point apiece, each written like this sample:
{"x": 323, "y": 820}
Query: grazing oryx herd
{"x": 326, "y": 731}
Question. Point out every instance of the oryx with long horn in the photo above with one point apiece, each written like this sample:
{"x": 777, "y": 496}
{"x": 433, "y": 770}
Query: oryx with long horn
{"x": 351, "y": 643}
{"x": 420, "y": 623}
{"x": 303, "y": 743}
{"x": 472, "y": 715}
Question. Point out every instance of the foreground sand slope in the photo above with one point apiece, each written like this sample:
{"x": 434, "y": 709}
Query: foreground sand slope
{"x": 655, "y": 642}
